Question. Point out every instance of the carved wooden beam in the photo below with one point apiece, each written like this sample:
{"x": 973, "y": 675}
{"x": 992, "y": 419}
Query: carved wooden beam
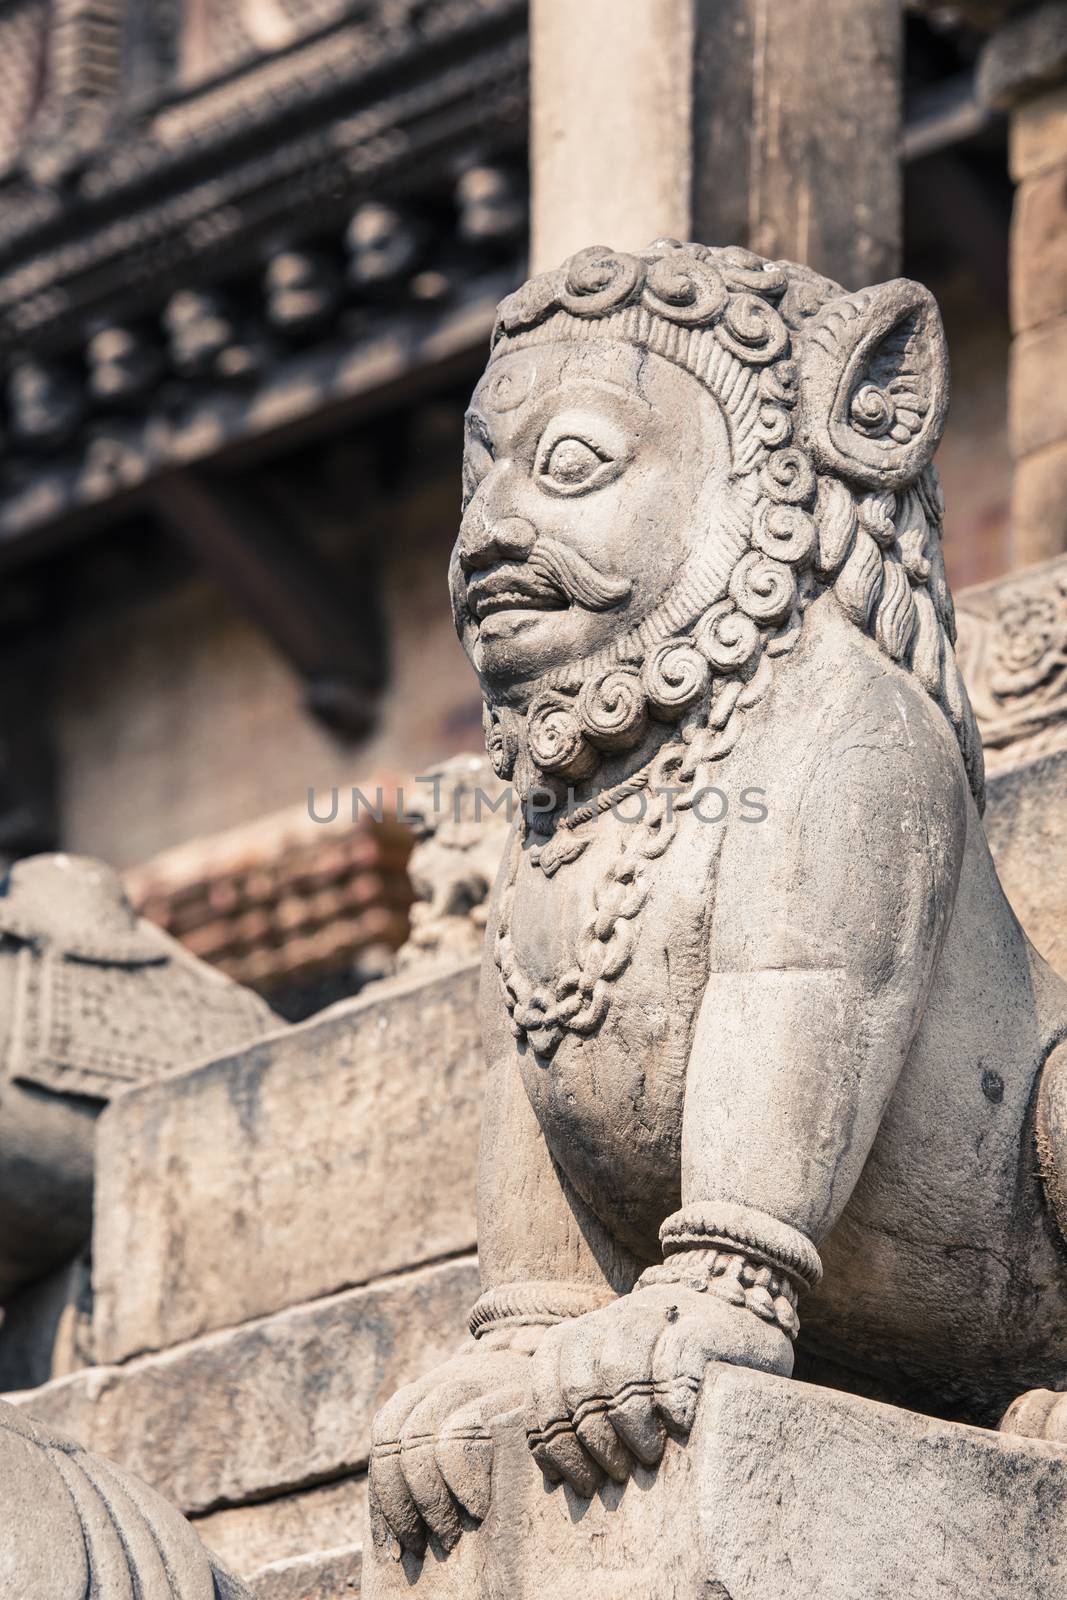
{"x": 334, "y": 639}
{"x": 406, "y": 350}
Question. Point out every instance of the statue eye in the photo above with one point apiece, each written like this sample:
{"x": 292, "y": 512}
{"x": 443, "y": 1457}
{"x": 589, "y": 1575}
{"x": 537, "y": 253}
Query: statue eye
{"x": 572, "y": 462}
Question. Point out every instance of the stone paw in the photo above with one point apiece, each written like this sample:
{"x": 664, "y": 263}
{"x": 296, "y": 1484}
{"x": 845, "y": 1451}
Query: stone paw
{"x": 431, "y": 1452}
{"x": 610, "y": 1386}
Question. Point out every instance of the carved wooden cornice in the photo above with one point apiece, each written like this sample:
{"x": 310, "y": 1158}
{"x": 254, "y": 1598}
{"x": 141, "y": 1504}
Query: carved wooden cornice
{"x": 229, "y": 246}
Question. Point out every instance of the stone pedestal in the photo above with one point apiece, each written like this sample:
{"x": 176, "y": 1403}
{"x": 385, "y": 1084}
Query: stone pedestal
{"x": 783, "y": 1489}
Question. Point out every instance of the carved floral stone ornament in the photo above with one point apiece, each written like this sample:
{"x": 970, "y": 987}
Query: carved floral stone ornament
{"x": 740, "y": 1105}
{"x": 1013, "y": 642}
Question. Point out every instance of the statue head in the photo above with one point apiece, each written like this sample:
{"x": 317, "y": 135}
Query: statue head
{"x": 669, "y": 457}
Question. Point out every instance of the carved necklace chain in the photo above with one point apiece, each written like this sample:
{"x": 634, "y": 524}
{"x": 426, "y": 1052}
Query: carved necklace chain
{"x": 578, "y": 1000}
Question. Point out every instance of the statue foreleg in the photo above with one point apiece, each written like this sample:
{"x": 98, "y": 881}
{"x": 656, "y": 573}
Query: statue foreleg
{"x": 544, "y": 1257}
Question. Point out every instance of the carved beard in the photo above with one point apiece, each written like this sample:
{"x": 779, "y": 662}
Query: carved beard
{"x": 710, "y": 624}
{"x": 656, "y": 674}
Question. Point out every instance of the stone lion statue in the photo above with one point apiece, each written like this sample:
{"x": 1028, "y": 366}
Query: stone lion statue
{"x": 769, "y": 1054}
{"x": 93, "y": 1001}
{"x": 460, "y": 819}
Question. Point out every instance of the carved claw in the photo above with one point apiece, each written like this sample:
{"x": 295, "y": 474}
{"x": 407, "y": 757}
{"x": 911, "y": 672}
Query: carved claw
{"x": 608, "y": 1387}
{"x": 431, "y": 1456}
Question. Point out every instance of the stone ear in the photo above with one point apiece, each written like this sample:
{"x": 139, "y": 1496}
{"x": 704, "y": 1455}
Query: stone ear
{"x": 874, "y": 384}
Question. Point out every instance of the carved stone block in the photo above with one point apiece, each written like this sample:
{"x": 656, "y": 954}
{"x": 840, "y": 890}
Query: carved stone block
{"x": 270, "y": 1406}
{"x": 308, "y": 1152}
{"x": 461, "y": 819}
{"x": 330, "y": 1575}
{"x": 783, "y": 1489}
{"x": 1012, "y": 647}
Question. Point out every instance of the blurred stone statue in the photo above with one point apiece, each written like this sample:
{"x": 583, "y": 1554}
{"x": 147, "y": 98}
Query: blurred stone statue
{"x": 93, "y": 1000}
{"x": 769, "y": 1054}
{"x": 463, "y": 811}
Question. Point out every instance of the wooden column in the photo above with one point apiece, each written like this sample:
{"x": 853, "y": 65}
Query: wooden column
{"x": 729, "y": 121}
{"x": 1024, "y": 72}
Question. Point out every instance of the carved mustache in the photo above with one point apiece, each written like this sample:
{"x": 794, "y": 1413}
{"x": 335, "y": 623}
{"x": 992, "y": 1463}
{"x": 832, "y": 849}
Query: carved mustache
{"x": 550, "y": 577}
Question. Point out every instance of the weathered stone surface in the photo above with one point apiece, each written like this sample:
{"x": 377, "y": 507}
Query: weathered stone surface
{"x": 269, "y": 1406}
{"x": 782, "y": 1489}
{"x": 1039, "y": 506}
{"x": 1026, "y": 820}
{"x": 77, "y": 1525}
{"x": 1037, "y": 400}
{"x": 333, "y": 1575}
{"x": 734, "y": 1066}
{"x": 1038, "y": 134}
{"x": 1012, "y": 649}
{"x": 1039, "y": 249}
{"x": 291, "y": 1527}
{"x": 332, "y": 1153}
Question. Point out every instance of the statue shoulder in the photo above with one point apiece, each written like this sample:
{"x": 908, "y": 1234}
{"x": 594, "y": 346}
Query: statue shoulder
{"x": 840, "y": 702}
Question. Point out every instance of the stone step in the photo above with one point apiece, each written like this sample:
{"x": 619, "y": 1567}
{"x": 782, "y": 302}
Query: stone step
{"x": 783, "y": 1489}
{"x": 248, "y": 1538}
{"x": 320, "y": 1158}
{"x": 266, "y": 1408}
{"x": 331, "y": 1575}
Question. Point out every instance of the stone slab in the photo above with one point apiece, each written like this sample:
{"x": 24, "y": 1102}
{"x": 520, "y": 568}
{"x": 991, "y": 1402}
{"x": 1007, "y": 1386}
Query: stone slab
{"x": 280, "y": 1403}
{"x": 333, "y": 1575}
{"x": 784, "y": 1489}
{"x": 318, "y": 1159}
{"x": 291, "y": 1527}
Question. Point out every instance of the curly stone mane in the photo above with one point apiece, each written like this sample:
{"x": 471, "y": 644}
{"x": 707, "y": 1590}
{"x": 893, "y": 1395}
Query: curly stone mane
{"x": 834, "y": 404}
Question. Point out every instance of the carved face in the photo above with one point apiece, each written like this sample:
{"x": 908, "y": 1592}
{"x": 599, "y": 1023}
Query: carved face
{"x": 591, "y": 473}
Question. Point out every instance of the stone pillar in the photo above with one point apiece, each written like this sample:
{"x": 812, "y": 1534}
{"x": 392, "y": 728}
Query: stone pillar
{"x": 733, "y": 122}
{"x": 1023, "y": 71}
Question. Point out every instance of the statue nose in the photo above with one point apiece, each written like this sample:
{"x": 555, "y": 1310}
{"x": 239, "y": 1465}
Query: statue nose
{"x": 488, "y": 541}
